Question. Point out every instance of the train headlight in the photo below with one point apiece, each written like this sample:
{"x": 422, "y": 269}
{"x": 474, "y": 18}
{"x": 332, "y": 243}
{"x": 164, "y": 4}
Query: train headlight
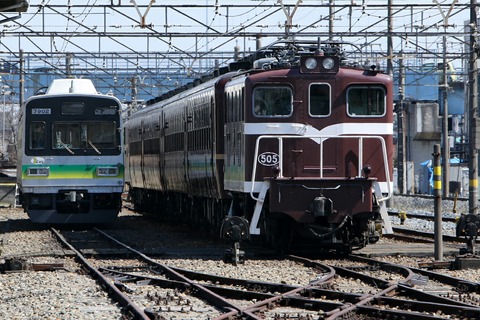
{"x": 310, "y": 63}
{"x": 107, "y": 171}
{"x": 38, "y": 172}
{"x": 319, "y": 64}
{"x": 328, "y": 63}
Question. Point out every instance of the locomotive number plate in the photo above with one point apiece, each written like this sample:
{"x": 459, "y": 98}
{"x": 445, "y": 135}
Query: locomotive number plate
{"x": 268, "y": 159}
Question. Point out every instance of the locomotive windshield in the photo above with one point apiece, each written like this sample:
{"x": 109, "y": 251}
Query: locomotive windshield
{"x": 366, "y": 101}
{"x": 272, "y": 101}
{"x": 319, "y": 98}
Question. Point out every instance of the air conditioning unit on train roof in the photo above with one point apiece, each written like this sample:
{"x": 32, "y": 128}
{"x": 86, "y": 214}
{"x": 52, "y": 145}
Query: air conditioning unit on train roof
{"x": 78, "y": 86}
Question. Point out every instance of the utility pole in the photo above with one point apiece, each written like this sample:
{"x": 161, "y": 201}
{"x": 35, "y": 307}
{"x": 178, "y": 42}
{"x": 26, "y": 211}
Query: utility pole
{"x": 446, "y": 144}
{"x": 389, "y": 40}
{"x": 472, "y": 114}
{"x": 437, "y": 205}
{"x": 444, "y": 85}
{"x": 21, "y": 92}
{"x": 400, "y": 110}
{"x": 133, "y": 105}
{"x": 331, "y": 18}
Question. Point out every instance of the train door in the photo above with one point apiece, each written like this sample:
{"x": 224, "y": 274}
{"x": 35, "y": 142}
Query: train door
{"x": 234, "y": 138}
{"x": 161, "y": 143}
{"x": 135, "y": 152}
{"x": 189, "y": 144}
{"x": 142, "y": 155}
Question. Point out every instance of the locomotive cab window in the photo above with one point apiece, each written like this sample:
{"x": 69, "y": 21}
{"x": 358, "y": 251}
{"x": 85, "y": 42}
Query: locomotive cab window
{"x": 37, "y": 135}
{"x": 319, "y": 99}
{"x": 272, "y": 101}
{"x": 366, "y": 101}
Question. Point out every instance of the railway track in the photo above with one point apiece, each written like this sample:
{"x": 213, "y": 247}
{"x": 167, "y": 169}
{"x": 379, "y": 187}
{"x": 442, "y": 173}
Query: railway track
{"x": 151, "y": 271}
{"x": 409, "y": 215}
{"x": 411, "y": 235}
{"x": 383, "y": 289}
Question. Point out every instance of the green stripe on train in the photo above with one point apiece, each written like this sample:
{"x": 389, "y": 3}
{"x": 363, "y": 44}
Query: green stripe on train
{"x": 70, "y": 171}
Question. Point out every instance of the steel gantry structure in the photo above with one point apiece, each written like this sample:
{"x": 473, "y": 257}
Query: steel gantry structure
{"x": 162, "y": 44}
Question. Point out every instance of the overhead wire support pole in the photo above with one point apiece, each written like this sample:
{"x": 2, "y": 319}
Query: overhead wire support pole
{"x": 437, "y": 194}
{"x": 472, "y": 111}
{"x": 446, "y": 144}
{"x": 444, "y": 86}
{"x": 144, "y": 16}
{"x": 331, "y": 18}
{"x": 390, "y": 40}
{"x": 289, "y": 22}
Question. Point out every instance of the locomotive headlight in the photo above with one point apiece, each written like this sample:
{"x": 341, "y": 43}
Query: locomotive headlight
{"x": 310, "y": 63}
{"x": 328, "y": 63}
{"x": 38, "y": 172}
{"x": 107, "y": 171}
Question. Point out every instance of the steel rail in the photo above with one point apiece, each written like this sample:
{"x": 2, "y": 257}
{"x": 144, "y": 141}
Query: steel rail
{"x": 250, "y": 290}
{"x": 199, "y": 289}
{"x": 421, "y": 216}
{"x": 124, "y": 300}
{"x": 312, "y": 293}
{"x": 465, "y": 285}
{"x": 428, "y": 235}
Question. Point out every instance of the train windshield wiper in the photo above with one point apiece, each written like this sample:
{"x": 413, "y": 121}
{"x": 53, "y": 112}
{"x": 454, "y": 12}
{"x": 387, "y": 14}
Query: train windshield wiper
{"x": 93, "y": 146}
{"x": 65, "y": 146}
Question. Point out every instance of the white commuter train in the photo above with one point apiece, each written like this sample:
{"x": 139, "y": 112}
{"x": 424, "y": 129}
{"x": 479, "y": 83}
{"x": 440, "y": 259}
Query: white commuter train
{"x": 70, "y": 155}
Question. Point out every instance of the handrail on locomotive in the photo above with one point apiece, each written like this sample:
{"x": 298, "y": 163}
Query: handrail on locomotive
{"x": 321, "y": 139}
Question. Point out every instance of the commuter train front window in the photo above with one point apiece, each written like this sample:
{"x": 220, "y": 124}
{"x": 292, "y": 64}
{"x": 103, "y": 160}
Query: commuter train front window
{"x": 319, "y": 99}
{"x": 100, "y": 135}
{"x": 37, "y": 135}
{"x": 93, "y": 135}
{"x": 66, "y": 136}
{"x": 73, "y": 108}
{"x": 366, "y": 101}
{"x": 272, "y": 101}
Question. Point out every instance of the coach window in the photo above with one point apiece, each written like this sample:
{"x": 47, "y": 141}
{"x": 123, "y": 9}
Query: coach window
{"x": 37, "y": 135}
{"x": 272, "y": 101}
{"x": 319, "y": 99}
{"x": 366, "y": 101}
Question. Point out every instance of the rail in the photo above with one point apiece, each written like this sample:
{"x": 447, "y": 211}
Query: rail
{"x": 320, "y": 139}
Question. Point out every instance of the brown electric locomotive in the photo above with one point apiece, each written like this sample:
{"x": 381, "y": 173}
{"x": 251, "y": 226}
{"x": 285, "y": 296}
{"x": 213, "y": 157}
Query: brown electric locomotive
{"x": 292, "y": 144}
